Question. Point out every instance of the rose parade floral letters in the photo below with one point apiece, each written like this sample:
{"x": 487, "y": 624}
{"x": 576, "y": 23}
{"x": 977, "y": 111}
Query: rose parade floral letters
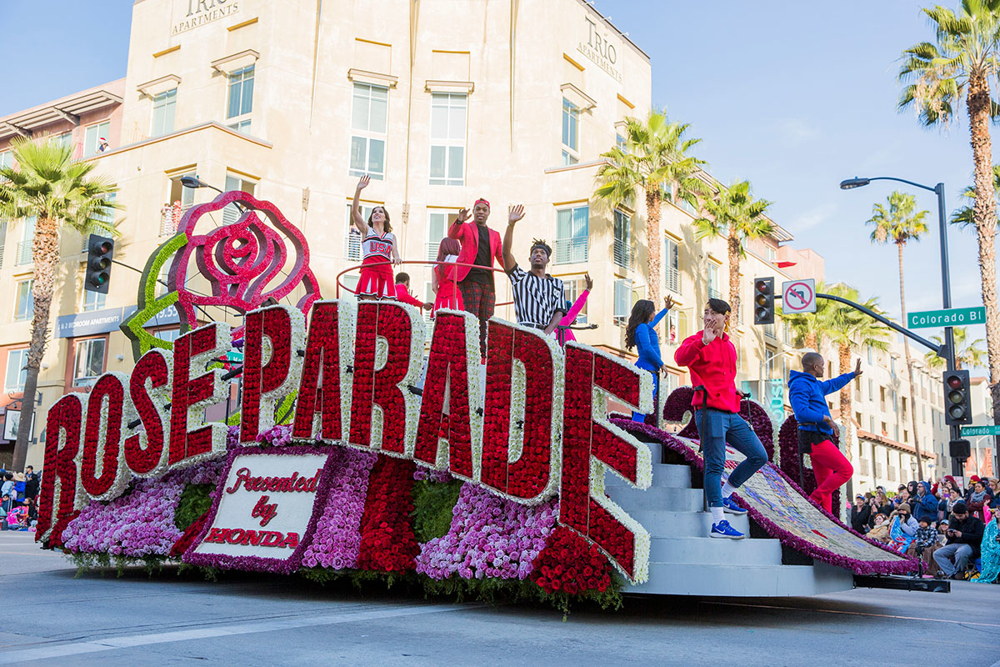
{"x": 538, "y": 435}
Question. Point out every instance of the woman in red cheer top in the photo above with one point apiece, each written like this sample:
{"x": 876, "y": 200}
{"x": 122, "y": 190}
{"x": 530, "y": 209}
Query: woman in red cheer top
{"x": 378, "y": 249}
{"x": 711, "y": 359}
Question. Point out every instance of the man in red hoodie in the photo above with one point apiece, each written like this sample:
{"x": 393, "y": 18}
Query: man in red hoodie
{"x": 711, "y": 359}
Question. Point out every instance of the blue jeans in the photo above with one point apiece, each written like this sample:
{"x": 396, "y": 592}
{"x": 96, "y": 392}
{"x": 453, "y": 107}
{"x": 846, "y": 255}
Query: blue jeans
{"x": 727, "y": 427}
{"x": 640, "y": 417}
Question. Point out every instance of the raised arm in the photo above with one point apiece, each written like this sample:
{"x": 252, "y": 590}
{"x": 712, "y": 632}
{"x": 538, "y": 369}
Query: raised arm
{"x": 514, "y": 214}
{"x": 356, "y": 217}
{"x": 455, "y": 231}
{"x": 836, "y": 384}
{"x": 647, "y": 350}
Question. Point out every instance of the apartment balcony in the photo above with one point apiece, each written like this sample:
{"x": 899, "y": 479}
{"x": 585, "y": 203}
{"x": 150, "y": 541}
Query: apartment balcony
{"x": 673, "y": 279}
{"x": 623, "y": 254}
{"x": 572, "y": 251}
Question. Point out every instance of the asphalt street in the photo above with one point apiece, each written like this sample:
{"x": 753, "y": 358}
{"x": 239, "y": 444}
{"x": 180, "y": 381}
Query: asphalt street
{"x": 53, "y": 613}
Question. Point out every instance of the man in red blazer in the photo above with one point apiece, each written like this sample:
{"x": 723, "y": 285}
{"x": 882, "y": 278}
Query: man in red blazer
{"x": 480, "y": 246}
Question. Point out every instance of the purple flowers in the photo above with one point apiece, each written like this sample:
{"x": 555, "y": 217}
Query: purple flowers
{"x": 141, "y": 522}
{"x": 338, "y": 531}
{"x": 489, "y": 537}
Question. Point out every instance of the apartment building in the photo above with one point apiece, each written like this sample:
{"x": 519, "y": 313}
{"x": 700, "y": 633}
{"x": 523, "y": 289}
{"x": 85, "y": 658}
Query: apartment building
{"x": 440, "y": 102}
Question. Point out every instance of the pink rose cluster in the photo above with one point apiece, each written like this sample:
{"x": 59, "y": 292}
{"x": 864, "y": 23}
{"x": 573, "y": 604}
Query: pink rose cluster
{"x": 141, "y": 522}
{"x": 337, "y": 539}
{"x": 489, "y": 537}
{"x": 276, "y": 436}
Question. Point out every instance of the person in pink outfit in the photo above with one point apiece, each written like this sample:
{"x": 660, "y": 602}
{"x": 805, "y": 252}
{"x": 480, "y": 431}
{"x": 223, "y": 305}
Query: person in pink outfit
{"x": 563, "y": 330}
{"x": 447, "y": 292}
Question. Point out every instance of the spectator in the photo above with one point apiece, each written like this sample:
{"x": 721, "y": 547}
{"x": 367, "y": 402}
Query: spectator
{"x": 925, "y": 543}
{"x": 925, "y": 504}
{"x": 861, "y": 512}
{"x": 902, "y": 496}
{"x": 7, "y": 491}
{"x": 911, "y": 489}
{"x": 949, "y": 496}
{"x": 31, "y": 483}
{"x": 881, "y": 505}
{"x": 880, "y": 528}
{"x": 964, "y": 533}
{"x": 978, "y": 499}
{"x": 19, "y": 485}
{"x": 906, "y": 521}
{"x": 991, "y": 552}
{"x": 972, "y": 487}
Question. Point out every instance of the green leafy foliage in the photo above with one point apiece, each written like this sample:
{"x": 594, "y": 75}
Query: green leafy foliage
{"x": 433, "y": 506}
{"x": 195, "y": 501}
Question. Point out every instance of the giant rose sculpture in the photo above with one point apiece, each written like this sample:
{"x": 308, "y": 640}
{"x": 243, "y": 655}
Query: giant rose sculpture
{"x": 260, "y": 258}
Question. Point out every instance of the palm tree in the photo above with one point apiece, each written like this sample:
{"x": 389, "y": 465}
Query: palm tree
{"x": 958, "y": 68}
{"x": 967, "y": 353}
{"x": 734, "y": 213}
{"x": 900, "y": 224}
{"x": 48, "y": 184}
{"x": 965, "y": 216}
{"x": 852, "y": 331}
{"x": 654, "y": 159}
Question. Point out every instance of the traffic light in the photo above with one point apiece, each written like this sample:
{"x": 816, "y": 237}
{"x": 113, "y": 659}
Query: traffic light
{"x": 100, "y": 251}
{"x": 957, "y": 404}
{"x": 763, "y": 301}
{"x": 959, "y": 449}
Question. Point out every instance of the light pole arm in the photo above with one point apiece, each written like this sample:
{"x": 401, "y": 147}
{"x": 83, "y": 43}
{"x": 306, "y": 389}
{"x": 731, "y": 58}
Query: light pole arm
{"x": 934, "y": 347}
{"x": 903, "y": 180}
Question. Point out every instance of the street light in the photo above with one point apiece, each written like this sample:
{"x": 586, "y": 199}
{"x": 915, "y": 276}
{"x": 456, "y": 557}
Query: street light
{"x": 949, "y": 337}
{"x": 194, "y": 183}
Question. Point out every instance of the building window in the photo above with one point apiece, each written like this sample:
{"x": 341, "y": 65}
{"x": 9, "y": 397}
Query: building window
{"x": 572, "y": 234}
{"x": 672, "y": 266}
{"x": 25, "y": 253}
{"x": 89, "y": 361}
{"x": 163, "y": 113}
{"x": 713, "y": 281}
{"x": 16, "y": 371}
{"x": 448, "y": 138}
{"x": 676, "y": 326}
{"x": 622, "y": 249}
{"x": 95, "y": 139}
{"x": 24, "y": 301}
{"x": 871, "y": 424}
{"x": 163, "y": 280}
{"x": 93, "y": 301}
{"x": 623, "y": 301}
{"x": 570, "y": 133}
{"x": 574, "y": 288}
{"x": 369, "y": 115}
{"x": 770, "y": 254}
{"x": 6, "y": 159}
{"x": 352, "y": 240}
{"x": 64, "y": 140}
{"x": 870, "y": 355}
{"x": 3, "y": 240}
{"x": 240, "y": 99}
{"x": 437, "y": 228}
{"x": 231, "y": 213}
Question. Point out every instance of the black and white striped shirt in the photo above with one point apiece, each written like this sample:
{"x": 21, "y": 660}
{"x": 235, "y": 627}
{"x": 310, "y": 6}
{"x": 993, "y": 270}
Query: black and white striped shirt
{"x": 536, "y": 299}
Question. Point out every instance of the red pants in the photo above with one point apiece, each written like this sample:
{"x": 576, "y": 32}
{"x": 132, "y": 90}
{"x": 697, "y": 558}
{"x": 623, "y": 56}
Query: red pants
{"x": 832, "y": 470}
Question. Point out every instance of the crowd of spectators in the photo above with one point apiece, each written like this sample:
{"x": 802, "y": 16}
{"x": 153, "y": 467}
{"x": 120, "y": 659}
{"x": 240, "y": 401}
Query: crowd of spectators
{"x": 18, "y": 497}
{"x": 951, "y": 530}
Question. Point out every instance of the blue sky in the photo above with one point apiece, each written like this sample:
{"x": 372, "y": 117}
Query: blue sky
{"x": 793, "y": 97}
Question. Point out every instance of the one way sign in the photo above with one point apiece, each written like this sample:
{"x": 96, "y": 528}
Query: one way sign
{"x": 798, "y": 296}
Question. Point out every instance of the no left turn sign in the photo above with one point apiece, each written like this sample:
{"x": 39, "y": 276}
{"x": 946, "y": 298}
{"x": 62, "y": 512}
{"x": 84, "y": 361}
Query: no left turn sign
{"x": 798, "y": 296}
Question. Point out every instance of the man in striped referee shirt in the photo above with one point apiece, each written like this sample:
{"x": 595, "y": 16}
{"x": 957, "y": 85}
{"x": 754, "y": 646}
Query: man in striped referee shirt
{"x": 539, "y": 299}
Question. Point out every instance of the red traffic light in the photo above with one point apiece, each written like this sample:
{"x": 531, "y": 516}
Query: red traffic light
{"x": 955, "y": 382}
{"x": 761, "y": 286}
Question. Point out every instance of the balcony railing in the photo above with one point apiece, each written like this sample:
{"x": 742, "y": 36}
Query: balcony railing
{"x": 572, "y": 251}
{"x": 432, "y": 251}
{"x": 878, "y": 469}
{"x": 623, "y": 255}
{"x": 865, "y": 468}
{"x": 892, "y": 473}
{"x": 714, "y": 293}
{"x": 769, "y": 330}
{"x": 673, "y": 279}
{"x": 352, "y": 246}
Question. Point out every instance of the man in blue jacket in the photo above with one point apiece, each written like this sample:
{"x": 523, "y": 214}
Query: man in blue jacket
{"x": 816, "y": 427}
{"x": 925, "y": 504}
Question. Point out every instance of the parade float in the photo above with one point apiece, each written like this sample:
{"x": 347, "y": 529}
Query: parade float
{"x": 363, "y": 448}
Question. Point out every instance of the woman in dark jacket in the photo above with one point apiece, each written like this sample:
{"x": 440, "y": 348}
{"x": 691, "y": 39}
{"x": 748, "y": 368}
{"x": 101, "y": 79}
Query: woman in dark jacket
{"x": 860, "y": 514}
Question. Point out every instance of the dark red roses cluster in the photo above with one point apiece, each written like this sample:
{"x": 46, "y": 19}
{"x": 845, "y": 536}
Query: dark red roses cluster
{"x": 387, "y": 540}
{"x": 571, "y": 565}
